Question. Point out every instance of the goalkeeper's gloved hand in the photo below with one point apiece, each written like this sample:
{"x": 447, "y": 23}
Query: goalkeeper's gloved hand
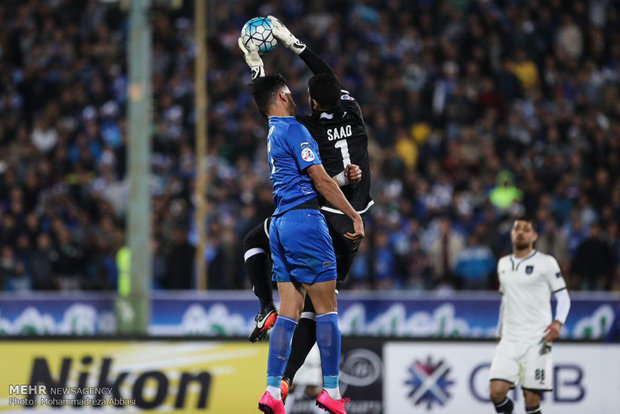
{"x": 252, "y": 59}
{"x": 284, "y": 35}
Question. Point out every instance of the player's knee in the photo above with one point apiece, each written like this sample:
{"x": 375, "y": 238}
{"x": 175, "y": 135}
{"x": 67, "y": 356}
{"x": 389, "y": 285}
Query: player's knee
{"x": 291, "y": 311}
{"x": 497, "y": 394}
{"x": 325, "y": 302}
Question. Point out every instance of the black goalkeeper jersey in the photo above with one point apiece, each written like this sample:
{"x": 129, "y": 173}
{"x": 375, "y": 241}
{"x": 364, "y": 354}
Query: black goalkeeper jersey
{"x": 341, "y": 135}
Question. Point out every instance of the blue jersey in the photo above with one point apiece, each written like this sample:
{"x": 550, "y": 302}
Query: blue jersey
{"x": 291, "y": 149}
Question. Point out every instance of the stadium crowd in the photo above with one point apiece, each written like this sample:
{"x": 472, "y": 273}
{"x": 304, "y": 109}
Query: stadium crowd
{"x": 478, "y": 112}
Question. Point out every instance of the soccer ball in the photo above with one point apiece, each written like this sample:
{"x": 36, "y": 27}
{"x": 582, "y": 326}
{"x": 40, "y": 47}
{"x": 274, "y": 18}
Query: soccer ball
{"x": 258, "y": 31}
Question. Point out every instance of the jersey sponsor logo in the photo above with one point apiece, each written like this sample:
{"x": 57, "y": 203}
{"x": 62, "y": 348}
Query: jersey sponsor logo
{"x": 339, "y": 132}
{"x": 307, "y": 154}
{"x": 529, "y": 269}
{"x": 429, "y": 382}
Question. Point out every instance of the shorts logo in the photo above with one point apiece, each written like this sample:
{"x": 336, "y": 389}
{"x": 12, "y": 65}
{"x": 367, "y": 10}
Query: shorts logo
{"x": 429, "y": 383}
{"x": 307, "y": 154}
{"x": 529, "y": 270}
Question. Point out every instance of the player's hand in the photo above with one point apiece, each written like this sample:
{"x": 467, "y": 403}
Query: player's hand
{"x": 358, "y": 229}
{"x": 252, "y": 58}
{"x": 553, "y": 331}
{"x": 353, "y": 173}
{"x": 285, "y": 36}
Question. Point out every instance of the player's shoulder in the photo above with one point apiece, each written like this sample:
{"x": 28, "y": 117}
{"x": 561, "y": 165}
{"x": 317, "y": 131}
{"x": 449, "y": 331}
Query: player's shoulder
{"x": 345, "y": 95}
{"x": 545, "y": 259}
{"x": 296, "y": 129}
{"x": 348, "y": 103}
{"x": 503, "y": 261}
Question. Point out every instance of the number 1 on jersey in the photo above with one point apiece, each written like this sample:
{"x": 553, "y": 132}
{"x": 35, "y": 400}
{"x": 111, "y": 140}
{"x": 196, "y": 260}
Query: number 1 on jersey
{"x": 344, "y": 149}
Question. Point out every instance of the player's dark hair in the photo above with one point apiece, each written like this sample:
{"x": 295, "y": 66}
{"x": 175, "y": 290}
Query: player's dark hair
{"x": 530, "y": 220}
{"x": 265, "y": 88}
{"x": 325, "y": 90}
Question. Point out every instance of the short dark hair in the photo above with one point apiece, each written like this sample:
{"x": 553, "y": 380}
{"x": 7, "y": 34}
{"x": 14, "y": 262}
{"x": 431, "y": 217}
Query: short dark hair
{"x": 530, "y": 220}
{"x": 265, "y": 88}
{"x": 325, "y": 90}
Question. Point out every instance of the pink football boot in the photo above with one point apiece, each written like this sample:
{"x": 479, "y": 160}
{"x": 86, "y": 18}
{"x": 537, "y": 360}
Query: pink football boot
{"x": 270, "y": 405}
{"x": 325, "y": 402}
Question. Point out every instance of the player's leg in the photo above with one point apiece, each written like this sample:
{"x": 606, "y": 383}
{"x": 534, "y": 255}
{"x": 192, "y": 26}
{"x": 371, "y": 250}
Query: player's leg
{"x": 537, "y": 375}
{"x": 503, "y": 375}
{"x": 532, "y": 401}
{"x": 323, "y": 297}
{"x": 344, "y": 248}
{"x": 291, "y": 303}
{"x": 305, "y": 334}
{"x": 499, "y": 396}
{"x": 256, "y": 253}
{"x": 313, "y": 263}
{"x": 303, "y": 341}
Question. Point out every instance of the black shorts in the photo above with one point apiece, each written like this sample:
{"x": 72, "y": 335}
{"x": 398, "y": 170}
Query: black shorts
{"x": 258, "y": 237}
{"x": 339, "y": 225}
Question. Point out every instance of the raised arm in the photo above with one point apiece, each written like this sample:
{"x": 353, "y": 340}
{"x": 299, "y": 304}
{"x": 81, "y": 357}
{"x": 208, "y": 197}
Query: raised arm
{"x": 328, "y": 188}
{"x": 314, "y": 61}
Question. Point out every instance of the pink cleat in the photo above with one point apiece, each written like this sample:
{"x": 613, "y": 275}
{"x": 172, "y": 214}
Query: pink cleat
{"x": 325, "y": 402}
{"x": 270, "y": 405}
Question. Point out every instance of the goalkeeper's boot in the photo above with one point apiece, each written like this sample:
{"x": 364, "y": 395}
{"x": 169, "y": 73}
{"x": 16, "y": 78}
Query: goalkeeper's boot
{"x": 265, "y": 320}
{"x": 270, "y": 405}
{"x": 284, "y": 386}
{"x": 330, "y": 405}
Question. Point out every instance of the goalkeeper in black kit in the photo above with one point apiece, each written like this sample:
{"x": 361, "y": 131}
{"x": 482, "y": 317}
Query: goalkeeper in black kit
{"x": 337, "y": 125}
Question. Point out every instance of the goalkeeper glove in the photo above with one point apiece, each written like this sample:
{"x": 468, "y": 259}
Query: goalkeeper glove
{"x": 252, "y": 59}
{"x": 284, "y": 35}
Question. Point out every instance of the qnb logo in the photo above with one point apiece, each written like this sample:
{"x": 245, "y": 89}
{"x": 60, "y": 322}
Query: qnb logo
{"x": 429, "y": 383}
{"x": 360, "y": 368}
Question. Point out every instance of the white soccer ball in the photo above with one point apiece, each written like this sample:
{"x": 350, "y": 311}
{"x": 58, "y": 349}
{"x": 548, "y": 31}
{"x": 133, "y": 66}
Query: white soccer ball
{"x": 258, "y": 32}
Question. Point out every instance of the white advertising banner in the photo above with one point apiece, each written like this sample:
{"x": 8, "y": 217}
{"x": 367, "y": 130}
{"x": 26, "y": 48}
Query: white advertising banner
{"x": 446, "y": 378}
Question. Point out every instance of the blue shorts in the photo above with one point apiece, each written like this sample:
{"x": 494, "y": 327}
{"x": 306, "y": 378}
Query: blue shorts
{"x": 301, "y": 248}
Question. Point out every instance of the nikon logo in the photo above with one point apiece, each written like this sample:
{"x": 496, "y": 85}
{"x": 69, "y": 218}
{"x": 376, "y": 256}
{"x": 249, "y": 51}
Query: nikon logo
{"x": 42, "y": 375}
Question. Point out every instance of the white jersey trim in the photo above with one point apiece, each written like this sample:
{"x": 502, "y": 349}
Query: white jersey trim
{"x": 336, "y": 211}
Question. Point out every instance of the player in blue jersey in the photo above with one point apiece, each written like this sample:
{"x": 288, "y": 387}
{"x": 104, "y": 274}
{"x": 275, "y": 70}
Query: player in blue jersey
{"x": 301, "y": 247}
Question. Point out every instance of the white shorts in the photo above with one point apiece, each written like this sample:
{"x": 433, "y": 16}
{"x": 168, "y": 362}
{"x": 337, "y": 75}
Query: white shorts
{"x": 528, "y": 364}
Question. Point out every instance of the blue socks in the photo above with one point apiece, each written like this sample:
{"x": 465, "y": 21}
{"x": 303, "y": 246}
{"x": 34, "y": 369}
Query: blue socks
{"x": 328, "y": 339}
{"x": 279, "y": 350}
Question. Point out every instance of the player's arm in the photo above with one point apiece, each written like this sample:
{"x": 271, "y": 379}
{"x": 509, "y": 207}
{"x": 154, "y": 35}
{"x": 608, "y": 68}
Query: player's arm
{"x": 500, "y": 319}
{"x": 556, "y": 282}
{"x": 351, "y": 174}
{"x": 561, "y": 313}
{"x": 330, "y": 190}
{"x": 314, "y": 61}
{"x": 252, "y": 59}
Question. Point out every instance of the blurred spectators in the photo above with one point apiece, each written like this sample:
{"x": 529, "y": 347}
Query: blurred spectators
{"x": 478, "y": 111}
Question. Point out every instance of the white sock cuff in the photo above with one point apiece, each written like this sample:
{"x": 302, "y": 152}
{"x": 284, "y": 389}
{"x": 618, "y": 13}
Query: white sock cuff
{"x": 503, "y": 402}
{"x": 308, "y": 315}
{"x": 253, "y": 252}
{"x": 328, "y": 313}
